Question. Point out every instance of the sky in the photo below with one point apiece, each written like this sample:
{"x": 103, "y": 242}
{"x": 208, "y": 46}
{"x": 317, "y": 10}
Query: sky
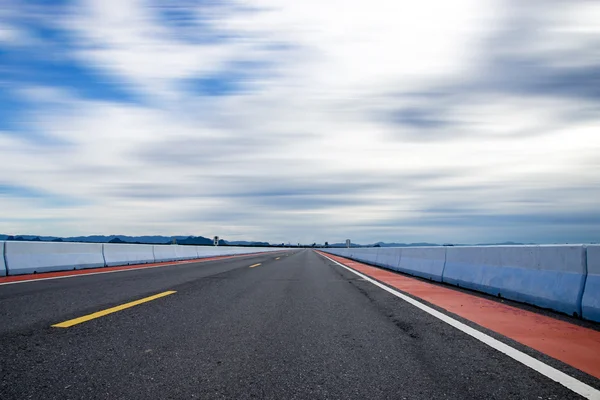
{"x": 470, "y": 121}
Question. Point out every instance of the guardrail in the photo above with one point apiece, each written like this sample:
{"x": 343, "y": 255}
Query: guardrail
{"x": 564, "y": 278}
{"x": 17, "y": 258}
{"x": 590, "y": 303}
{"x": 2, "y": 262}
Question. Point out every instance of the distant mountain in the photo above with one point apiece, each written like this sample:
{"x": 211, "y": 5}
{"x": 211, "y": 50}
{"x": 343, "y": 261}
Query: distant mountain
{"x": 197, "y": 240}
{"x": 245, "y": 243}
{"x": 420, "y": 244}
{"x": 499, "y": 244}
{"x": 125, "y": 239}
{"x": 203, "y": 241}
{"x": 27, "y": 238}
{"x": 185, "y": 240}
{"x": 382, "y": 244}
{"x": 94, "y": 238}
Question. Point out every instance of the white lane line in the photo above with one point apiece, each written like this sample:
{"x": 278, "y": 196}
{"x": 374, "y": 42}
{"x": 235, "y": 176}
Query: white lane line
{"x": 567, "y": 381}
{"x": 123, "y": 270}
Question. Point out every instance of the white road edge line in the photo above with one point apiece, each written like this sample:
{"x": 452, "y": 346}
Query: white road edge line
{"x": 567, "y": 381}
{"x": 120, "y": 270}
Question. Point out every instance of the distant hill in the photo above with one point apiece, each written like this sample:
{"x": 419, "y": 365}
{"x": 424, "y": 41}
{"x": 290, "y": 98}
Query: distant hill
{"x": 421, "y": 244}
{"x": 203, "y": 241}
{"x": 185, "y": 240}
{"x": 245, "y": 243}
{"x": 501, "y": 244}
{"x": 382, "y": 244}
{"x": 95, "y": 238}
{"x": 198, "y": 241}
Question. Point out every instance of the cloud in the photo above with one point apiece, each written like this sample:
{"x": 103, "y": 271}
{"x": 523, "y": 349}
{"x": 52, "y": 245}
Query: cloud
{"x": 293, "y": 121}
{"x": 543, "y": 59}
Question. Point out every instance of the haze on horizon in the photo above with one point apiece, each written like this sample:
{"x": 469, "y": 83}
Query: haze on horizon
{"x": 468, "y": 121}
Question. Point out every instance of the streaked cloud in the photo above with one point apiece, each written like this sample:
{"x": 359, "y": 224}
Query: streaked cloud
{"x": 470, "y": 121}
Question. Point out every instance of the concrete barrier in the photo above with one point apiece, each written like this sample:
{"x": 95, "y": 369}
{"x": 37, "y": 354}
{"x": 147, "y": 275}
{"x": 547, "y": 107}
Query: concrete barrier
{"x": 590, "y": 303}
{"x": 2, "y": 263}
{"x": 547, "y": 276}
{"x": 389, "y": 257}
{"x": 209, "y": 251}
{"x": 126, "y": 254}
{"x": 241, "y": 250}
{"x": 350, "y": 253}
{"x": 558, "y": 277}
{"x": 232, "y": 251}
{"x": 425, "y": 262}
{"x": 338, "y": 252}
{"x": 367, "y": 254}
{"x": 164, "y": 252}
{"x": 32, "y": 257}
{"x": 247, "y": 250}
{"x": 186, "y": 252}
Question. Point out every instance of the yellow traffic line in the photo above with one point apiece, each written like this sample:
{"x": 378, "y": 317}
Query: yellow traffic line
{"x": 255, "y": 265}
{"x": 71, "y": 322}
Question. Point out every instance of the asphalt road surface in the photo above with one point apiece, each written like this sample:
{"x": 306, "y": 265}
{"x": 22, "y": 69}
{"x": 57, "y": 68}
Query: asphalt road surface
{"x": 297, "y": 327}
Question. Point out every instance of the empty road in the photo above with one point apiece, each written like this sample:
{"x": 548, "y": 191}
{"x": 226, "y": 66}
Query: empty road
{"x": 289, "y": 325}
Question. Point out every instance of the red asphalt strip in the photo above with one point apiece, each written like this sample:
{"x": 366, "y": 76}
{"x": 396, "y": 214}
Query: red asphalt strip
{"x": 46, "y": 275}
{"x": 574, "y": 345}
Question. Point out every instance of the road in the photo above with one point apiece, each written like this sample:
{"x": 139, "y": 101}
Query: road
{"x": 296, "y": 326}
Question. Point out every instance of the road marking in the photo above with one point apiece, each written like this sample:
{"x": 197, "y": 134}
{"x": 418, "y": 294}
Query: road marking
{"x": 255, "y": 265}
{"x": 278, "y": 258}
{"x": 71, "y": 322}
{"x": 567, "y": 381}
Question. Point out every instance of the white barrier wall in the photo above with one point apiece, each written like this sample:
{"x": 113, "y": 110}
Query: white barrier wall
{"x": 236, "y": 251}
{"x": 341, "y": 252}
{"x": 233, "y": 251}
{"x": 425, "y": 262}
{"x": 590, "y": 303}
{"x": 389, "y": 257}
{"x": 367, "y": 254}
{"x": 177, "y": 252}
{"x": 164, "y": 252}
{"x": 126, "y": 254}
{"x": 207, "y": 251}
{"x": 564, "y": 278}
{"x": 186, "y": 252}
{"x": 32, "y": 257}
{"x": 546, "y": 276}
{"x": 2, "y": 264}
{"x": 247, "y": 250}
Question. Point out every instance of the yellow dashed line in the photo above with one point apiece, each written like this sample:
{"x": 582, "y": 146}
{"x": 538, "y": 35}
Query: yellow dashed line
{"x": 102, "y": 313}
